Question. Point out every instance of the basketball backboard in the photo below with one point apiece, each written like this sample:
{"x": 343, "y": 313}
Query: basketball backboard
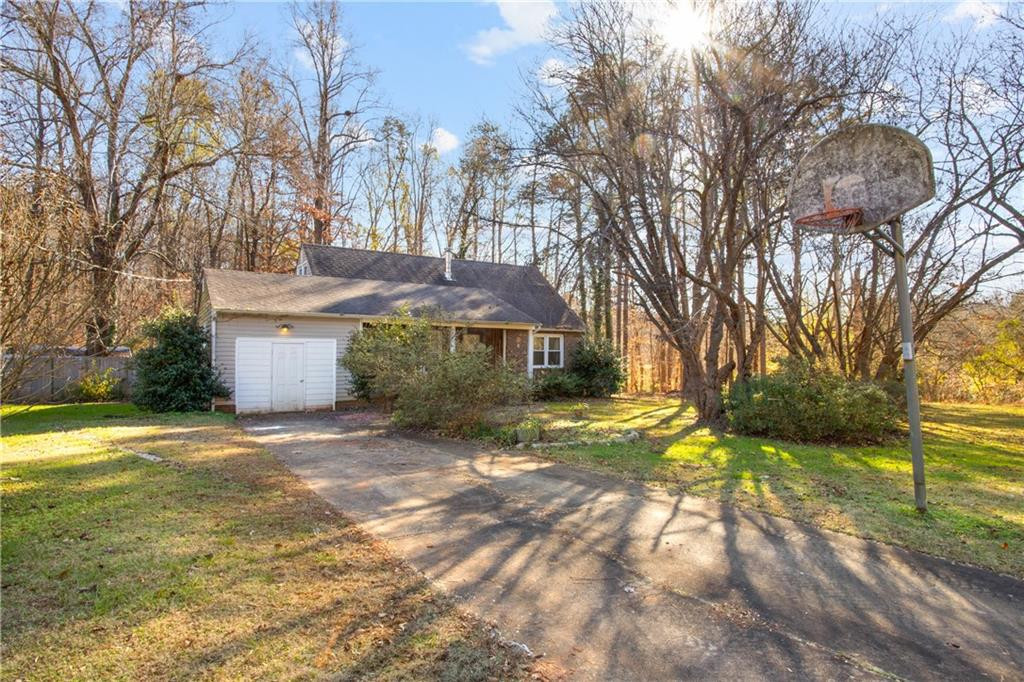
{"x": 859, "y": 178}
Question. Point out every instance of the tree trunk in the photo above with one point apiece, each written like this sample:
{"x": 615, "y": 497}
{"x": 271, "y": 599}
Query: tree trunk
{"x": 100, "y": 327}
{"x": 607, "y": 286}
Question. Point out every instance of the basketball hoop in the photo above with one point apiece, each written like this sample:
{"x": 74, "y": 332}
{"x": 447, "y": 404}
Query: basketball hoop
{"x": 858, "y": 178}
{"x": 833, "y": 219}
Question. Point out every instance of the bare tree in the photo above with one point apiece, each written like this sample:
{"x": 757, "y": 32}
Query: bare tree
{"x": 330, "y": 123}
{"x": 479, "y": 194}
{"x": 400, "y": 184}
{"x": 238, "y": 213}
{"x": 262, "y": 170}
{"x": 37, "y": 279}
{"x": 676, "y": 151}
{"x": 964, "y": 97}
{"x": 131, "y": 111}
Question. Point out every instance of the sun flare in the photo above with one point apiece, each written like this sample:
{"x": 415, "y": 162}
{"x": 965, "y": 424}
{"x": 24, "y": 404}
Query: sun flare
{"x": 682, "y": 26}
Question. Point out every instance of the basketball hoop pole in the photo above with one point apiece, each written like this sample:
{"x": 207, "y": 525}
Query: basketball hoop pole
{"x": 909, "y": 365}
{"x": 875, "y": 174}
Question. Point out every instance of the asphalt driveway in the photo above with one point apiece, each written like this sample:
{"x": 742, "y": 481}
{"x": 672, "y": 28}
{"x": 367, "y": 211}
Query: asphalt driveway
{"x": 612, "y": 580}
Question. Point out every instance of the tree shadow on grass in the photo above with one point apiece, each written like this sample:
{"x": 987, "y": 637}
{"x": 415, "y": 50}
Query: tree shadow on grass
{"x": 1003, "y": 419}
{"x": 215, "y": 560}
{"x": 976, "y": 485}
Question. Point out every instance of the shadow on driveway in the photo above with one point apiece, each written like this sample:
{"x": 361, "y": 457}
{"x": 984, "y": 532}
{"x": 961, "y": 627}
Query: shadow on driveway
{"x": 610, "y": 579}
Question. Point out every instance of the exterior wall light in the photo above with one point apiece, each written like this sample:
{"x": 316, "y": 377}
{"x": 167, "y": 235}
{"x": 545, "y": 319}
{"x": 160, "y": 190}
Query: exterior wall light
{"x": 285, "y": 327}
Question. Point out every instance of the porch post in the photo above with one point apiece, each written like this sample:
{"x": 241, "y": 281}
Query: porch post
{"x": 504, "y": 346}
{"x": 529, "y": 354}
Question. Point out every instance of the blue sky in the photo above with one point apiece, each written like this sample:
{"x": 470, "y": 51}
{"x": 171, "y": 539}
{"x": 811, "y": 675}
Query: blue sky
{"x": 453, "y": 62}
{"x": 448, "y": 62}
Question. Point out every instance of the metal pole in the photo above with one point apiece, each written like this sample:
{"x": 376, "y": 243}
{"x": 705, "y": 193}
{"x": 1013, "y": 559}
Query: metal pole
{"x": 909, "y": 367}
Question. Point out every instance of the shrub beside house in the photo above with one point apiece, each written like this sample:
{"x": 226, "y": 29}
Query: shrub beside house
{"x": 417, "y": 367}
{"x": 594, "y": 371}
{"x": 173, "y": 373}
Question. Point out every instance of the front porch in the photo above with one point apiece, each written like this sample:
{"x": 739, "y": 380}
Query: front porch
{"x": 524, "y": 350}
{"x": 506, "y": 345}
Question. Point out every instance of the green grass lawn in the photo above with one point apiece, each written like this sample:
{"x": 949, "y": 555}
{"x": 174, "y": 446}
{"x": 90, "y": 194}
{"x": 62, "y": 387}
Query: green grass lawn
{"x": 216, "y": 563}
{"x": 974, "y": 466}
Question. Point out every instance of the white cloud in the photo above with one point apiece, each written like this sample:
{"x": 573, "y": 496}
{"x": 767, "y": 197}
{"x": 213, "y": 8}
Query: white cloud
{"x": 120, "y": 5}
{"x": 302, "y": 57}
{"x": 982, "y": 13}
{"x": 552, "y": 72}
{"x": 525, "y": 24}
{"x": 443, "y": 141}
{"x": 306, "y": 34}
{"x": 981, "y": 98}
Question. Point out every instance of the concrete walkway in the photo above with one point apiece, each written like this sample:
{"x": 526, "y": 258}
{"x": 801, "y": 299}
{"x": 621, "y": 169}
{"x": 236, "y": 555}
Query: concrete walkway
{"x": 611, "y": 580}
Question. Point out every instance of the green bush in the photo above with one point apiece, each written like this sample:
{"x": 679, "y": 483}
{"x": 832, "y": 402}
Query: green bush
{"x": 598, "y": 368}
{"x": 96, "y": 387}
{"x": 174, "y": 373}
{"x": 896, "y": 391}
{"x": 554, "y": 384}
{"x": 808, "y": 404}
{"x": 405, "y": 363}
{"x": 455, "y": 391}
{"x": 383, "y": 358}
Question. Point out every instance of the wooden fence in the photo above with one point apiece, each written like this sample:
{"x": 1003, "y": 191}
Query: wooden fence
{"x": 49, "y": 378}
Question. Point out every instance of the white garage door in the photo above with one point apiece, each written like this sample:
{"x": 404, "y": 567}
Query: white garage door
{"x": 284, "y": 375}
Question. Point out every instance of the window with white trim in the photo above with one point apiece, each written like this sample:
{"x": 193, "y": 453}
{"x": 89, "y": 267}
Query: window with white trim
{"x": 548, "y": 350}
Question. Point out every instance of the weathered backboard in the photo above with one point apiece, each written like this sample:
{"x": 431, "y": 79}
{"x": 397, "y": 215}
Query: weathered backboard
{"x": 882, "y": 170}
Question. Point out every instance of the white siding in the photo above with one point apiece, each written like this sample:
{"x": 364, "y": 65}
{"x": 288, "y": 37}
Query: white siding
{"x": 302, "y": 267}
{"x": 231, "y": 326}
{"x": 320, "y": 368}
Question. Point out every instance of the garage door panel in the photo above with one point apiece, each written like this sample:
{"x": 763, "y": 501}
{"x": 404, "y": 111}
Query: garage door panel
{"x": 253, "y": 375}
{"x": 287, "y": 377}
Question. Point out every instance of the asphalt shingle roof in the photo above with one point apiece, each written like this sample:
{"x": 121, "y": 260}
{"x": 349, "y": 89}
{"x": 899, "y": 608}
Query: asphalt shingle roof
{"x": 261, "y": 292}
{"x": 522, "y": 287}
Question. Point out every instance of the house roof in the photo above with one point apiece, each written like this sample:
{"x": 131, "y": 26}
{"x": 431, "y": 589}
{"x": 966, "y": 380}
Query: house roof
{"x": 260, "y": 292}
{"x": 521, "y": 286}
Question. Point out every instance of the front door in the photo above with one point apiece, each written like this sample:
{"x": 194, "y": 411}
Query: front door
{"x": 288, "y": 377}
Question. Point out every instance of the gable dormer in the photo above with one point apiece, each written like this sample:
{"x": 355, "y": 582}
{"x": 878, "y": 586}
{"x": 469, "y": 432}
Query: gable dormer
{"x": 302, "y": 267}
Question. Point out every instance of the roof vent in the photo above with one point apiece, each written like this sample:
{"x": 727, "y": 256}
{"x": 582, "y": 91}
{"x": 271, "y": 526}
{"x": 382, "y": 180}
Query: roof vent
{"x": 448, "y": 266}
